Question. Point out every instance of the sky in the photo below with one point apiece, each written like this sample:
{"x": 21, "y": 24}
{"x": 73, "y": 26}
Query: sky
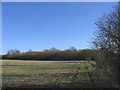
{"x": 43, "y": 25}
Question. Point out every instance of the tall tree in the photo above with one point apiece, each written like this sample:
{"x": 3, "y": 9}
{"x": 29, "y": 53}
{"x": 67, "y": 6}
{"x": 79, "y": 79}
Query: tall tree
{"x": 107, "y": 43}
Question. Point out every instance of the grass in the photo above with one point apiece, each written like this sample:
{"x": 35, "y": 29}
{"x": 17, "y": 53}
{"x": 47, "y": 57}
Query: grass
{"x": 46, "y": 74}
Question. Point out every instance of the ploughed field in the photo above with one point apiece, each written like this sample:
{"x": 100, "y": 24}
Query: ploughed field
{"x": 52, "y": 74}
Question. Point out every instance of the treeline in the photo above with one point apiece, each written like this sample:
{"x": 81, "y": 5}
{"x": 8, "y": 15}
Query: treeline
{"x": 52, "y": 54}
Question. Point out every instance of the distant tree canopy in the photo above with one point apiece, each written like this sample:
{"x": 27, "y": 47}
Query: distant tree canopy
{"x": 107, "y": 43}
{"x": 72, "y": 48}
{"x": 51, "y": 54}
{"x": 13, "y": 52}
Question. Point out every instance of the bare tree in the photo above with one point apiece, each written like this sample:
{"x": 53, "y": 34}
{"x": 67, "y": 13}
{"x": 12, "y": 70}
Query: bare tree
{"x": 108, "y": 34}
{"x": 107, "y": 43}
{"x": 72, "y": 48}
{"x": 54, "y": 49}
{"x": 13, "y": 52}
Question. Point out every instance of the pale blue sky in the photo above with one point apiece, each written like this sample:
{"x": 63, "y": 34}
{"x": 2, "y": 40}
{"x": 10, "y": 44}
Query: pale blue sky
{"x": 43, "y": 25}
